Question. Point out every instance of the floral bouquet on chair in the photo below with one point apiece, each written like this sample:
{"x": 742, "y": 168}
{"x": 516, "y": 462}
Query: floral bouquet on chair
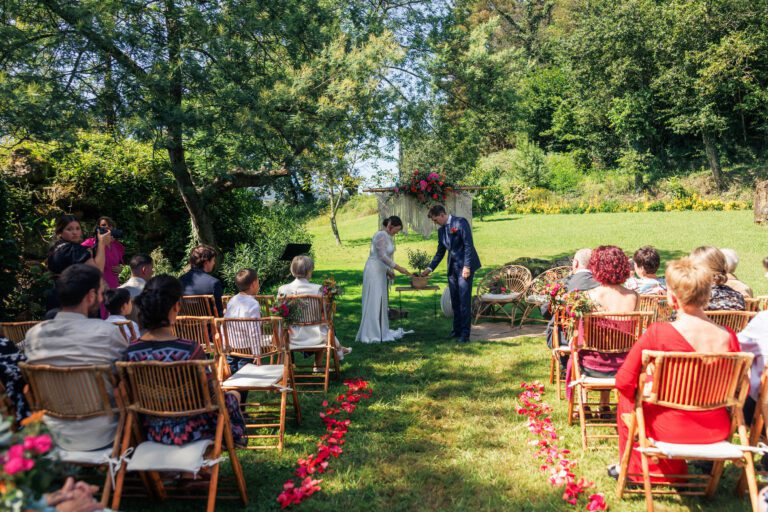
{"x": 331, "y": 289}
{"x": 287, "y": 310}
{"x": 26, "y": 468}
{"x": 575, "y": 304}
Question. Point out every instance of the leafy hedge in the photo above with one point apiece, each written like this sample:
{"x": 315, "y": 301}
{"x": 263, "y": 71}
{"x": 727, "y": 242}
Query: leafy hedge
{"x": 693, "y": 202}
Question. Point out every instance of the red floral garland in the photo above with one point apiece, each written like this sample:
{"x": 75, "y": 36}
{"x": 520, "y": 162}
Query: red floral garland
{"x": 555, "y": 460}
{"x": 328, "y": 446}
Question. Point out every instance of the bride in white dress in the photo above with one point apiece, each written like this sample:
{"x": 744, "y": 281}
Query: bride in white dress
{"x": 374, "y": 326}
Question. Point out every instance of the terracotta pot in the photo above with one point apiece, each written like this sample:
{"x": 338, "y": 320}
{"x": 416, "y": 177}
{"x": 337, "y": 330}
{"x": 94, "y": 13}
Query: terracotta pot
{"x": 419, "y": 282}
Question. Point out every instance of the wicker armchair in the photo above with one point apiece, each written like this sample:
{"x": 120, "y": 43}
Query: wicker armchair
{"x": 259, "y": 339}
{"x": 735, "y": 320}
{"x": 607, "y": 334}
{"x": 534, "y": 298}
{"x": 721, "y": 381}
{"x": 501, "y": 293}
{"x": 315, "y": 311}
{"x": 171, "y": 390}
{"x": 198, "y": 305}
{"x": 16, "y": 331}
{"x": 78, "y": 393}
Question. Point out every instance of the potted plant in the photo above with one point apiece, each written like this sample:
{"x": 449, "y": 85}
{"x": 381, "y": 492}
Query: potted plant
{"x": 419, "y": 261}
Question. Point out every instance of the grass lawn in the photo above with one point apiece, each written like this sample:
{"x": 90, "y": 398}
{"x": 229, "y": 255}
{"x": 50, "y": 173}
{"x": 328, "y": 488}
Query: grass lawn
{"x": 440, "y": 432}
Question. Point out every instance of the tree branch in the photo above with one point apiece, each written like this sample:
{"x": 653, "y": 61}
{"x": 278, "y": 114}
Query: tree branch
{"x": 243, "y": 178}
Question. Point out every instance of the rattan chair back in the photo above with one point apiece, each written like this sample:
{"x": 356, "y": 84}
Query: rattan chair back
{"x": 198, "y": 305}
{"x": 648, "y": 302}
{"x": 16, "y": 331}
{"x": 735, "y": 320}
{"x": 312, "y": 310}
{"x": 265, "y": 302}
{"x": 515, "y": 278}
{"x": 613, "y": 332}
{"x": 127, "y": 330}
{"x": 225, "y": 300}
{"x": 249, "y": 337}
{"x": 196, "y": 328}
{"x": 70, "y": 393}
{"x": 757, "y": 304}
{"x": 168, "y": 390}
{"x": 695, "y": 381}
{"x": 553, "y": 275}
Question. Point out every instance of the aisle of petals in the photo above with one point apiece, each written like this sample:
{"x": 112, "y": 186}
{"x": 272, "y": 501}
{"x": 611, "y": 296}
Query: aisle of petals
{"x": 328, "y": 446}
{"x": 556, "y": 462}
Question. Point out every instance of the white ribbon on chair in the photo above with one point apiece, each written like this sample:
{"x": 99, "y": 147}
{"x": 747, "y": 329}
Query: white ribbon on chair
{"x": 115, "y": 463}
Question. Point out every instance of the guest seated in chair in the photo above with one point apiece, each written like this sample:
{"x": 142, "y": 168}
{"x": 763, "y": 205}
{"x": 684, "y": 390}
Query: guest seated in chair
{"x": 580, "y": 279}
{"x": 159, "y": 304}
{"x": 119, "y": 305}
{"x": 731, "y": 262}
{"x": 243, "y": 305}
{"x": 302, "y": 268}
{"x": 199, "y": 281}
{"x": 688, "y": 291}
{"x": 646, "y": 262}
{"x": 754, "y": 339}
{"x": 722, "y": 297}
{"x": 73, "y": 339}
{"x": 610, "y": 267}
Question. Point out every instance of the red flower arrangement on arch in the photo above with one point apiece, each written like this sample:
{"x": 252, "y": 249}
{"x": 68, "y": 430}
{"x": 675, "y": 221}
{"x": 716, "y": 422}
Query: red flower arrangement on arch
{"x": 556, "y": 464}
{"x": 428, "y": 187}
{"x": 329, "y": 446}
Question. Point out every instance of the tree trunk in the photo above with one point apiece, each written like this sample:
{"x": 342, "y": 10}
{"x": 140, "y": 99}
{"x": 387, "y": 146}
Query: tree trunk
{"x": 335, "y": 228}
{"x": 202, "y": 226}
{"x": 713, "y": 158}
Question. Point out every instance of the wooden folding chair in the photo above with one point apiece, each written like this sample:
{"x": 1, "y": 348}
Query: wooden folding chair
{"x": 259, "y": 339}
{"x": 757, "y": 429}
{"x": 605, "y": 334}
{"x": 561, "y": 331}
{"x": 491, "y": 304}
{"x": 736, "y": 320}
{"x": 757, "y": 304}
{"x": 314, "y": 311}
{"x": 16, "y": 331}
{"x": 198, "y": 305}
{"x": 196, "y": 328}
{"x": 127, "y": 330}
{"x": 689, "y": 381}
{"x": 648, "y": 302}
{"x": 662, "y": 310}
{"x": 78, "y": 393}
{"x": 225, "y": 301}
{"x": 172, "y": 390}
{"x": 535, "y": 296}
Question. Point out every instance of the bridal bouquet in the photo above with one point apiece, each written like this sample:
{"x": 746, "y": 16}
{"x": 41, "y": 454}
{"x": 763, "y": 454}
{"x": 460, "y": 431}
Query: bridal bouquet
{"x": 26, "y": 468}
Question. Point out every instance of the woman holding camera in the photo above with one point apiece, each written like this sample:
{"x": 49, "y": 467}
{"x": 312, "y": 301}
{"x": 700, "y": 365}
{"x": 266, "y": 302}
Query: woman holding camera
{"x": 113, "y": 250}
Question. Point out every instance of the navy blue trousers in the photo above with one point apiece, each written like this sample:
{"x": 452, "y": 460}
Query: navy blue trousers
{"x": 461, "y": 302}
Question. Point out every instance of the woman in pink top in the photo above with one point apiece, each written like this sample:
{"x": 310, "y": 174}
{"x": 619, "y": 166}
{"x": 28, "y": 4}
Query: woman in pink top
{"x": 113, "y": 253}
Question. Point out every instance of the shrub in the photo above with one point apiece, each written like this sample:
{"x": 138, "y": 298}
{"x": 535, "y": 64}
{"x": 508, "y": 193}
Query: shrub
{"x": 564, "y": 174}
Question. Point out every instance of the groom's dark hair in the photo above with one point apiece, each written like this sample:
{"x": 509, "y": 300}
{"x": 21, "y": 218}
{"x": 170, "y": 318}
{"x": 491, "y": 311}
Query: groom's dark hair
{"x": 436, "y": 210}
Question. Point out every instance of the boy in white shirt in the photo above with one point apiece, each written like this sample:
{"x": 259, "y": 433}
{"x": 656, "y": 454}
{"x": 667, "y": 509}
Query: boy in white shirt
{"x": 118, "y": 302}
{"x": 243, "y": 305}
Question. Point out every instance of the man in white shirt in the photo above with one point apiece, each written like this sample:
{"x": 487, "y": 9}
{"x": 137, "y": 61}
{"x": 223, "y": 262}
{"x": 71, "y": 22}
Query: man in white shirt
{"x": 142, "y": 268}
{"x": 73, "y": 339}
{"x": 754, "y": 339}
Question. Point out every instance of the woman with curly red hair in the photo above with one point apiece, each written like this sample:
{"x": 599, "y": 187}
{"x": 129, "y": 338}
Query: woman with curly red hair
{"x": 611, "y": 268}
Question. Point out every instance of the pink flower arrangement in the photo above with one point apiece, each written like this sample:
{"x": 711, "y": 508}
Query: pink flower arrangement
{"x": 427, "y": 187}
{"x": 556, "y": 464}
{"x": 329, "y": 446}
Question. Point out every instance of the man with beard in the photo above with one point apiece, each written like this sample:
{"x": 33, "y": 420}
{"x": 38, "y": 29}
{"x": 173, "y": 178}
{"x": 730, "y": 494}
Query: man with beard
{"x": 73, "y": 339}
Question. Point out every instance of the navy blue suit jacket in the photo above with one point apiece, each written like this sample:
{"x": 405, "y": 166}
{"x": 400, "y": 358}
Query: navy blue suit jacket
{"x": 457, "y": 235}
{"x": 197, "y": 282}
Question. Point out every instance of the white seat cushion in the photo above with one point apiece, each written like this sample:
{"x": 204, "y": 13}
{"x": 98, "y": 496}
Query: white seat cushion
{"x": 722, "y": 450}
{"x": 95, "y": 457}
{"x": 255, "y": 376}
{"x": 150, "y": 456}
{"x": 494, "y": 297}
{"x": 607, "y": 382}
{"x": 294, "y": 346}
{"x": 536, "y": 299}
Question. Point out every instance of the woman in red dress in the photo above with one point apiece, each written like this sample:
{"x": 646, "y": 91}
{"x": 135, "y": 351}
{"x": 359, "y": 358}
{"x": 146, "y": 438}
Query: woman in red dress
{"x": 688, "y": 290}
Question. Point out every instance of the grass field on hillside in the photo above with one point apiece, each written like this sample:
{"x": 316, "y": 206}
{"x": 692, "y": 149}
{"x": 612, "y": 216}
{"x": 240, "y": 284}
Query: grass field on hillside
{"x": 441, "y": 432}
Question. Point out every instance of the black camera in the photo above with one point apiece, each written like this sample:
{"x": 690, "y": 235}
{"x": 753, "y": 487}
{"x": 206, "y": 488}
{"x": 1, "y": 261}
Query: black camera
{"x": 116, "y": 233}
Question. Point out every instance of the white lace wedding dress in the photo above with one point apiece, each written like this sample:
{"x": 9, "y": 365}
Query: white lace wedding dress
{"x": 374, "y": 325}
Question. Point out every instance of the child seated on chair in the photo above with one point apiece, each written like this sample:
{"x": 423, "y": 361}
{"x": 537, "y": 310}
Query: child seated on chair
{"x": 119, "y": 305}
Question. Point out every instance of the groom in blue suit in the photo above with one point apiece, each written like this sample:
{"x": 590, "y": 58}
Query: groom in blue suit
{"x": 455, "y": 237}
